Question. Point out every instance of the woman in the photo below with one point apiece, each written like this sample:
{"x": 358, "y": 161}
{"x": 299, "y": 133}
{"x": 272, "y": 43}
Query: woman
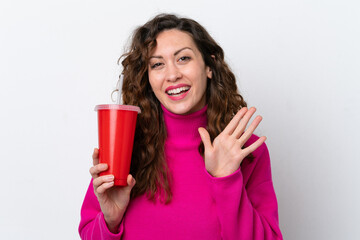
{"x": 199, "y": 174}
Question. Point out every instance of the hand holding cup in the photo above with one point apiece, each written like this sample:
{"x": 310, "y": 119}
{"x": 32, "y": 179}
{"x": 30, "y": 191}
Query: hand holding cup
{"x": 113, "y": 200}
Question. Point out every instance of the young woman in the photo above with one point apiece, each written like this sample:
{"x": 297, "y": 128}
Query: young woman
{"x": 200, "y": 171}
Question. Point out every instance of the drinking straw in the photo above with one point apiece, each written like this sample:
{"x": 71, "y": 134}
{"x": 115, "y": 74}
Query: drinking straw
{"x": 118, "y": 88}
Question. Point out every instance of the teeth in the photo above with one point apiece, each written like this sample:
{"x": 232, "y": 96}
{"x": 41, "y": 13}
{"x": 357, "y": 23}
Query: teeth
{"x": 177, "y": 90}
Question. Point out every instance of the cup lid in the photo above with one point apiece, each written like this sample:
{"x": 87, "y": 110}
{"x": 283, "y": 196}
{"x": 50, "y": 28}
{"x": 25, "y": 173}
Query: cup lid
{"x": 117, "y": 107}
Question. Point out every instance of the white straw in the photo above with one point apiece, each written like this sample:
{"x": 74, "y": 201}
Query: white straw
{"x": 118, "y": 87}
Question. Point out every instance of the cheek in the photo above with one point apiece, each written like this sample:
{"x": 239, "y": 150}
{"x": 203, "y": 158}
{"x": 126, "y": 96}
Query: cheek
{"x": 203, "y": 80}
{"x": 153, "y": 82}
{"x": 156, "y": 86}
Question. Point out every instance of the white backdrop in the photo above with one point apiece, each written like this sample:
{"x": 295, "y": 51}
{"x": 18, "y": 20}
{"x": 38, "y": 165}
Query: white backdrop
{"x": 296, "y": 61}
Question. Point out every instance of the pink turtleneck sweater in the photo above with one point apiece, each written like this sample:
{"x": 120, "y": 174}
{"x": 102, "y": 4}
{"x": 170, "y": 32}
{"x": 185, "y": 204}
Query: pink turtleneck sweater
{"x": 239, "y": 206}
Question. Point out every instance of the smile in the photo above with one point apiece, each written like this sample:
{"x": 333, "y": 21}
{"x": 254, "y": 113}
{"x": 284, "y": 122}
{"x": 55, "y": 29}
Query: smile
{"x": 177, "y": 91}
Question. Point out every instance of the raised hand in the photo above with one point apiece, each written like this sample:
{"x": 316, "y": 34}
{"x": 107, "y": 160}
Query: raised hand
{"x": 113, "y": 199}
{"x": 224, "y": 156}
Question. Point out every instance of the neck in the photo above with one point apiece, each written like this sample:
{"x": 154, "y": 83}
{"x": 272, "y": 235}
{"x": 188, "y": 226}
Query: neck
{"x": 184, "y": 128}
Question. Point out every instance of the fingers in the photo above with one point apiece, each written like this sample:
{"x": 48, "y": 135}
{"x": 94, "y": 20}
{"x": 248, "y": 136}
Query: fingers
{"x": 247, "y": 134}
{"x": 205, "y": 138}
{"x": 101, "y": 184}
{"x": 254, "y": 146}
{"x": 243, "y": 123}
{"x": 229, "y": 129}
{"x": 95, "y": 156}
{"x": 97, "y": 169}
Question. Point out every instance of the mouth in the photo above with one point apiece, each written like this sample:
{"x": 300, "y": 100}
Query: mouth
{"x": 177, "y": 91}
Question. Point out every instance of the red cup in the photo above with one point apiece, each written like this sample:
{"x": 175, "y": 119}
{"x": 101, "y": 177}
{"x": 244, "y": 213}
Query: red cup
{"x": 116, "y": 125}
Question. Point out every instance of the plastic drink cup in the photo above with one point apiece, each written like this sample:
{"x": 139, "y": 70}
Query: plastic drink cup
{"x": 116, "y": 126}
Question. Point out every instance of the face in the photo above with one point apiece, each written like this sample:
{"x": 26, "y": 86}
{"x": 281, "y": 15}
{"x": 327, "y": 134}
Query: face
{"x": 177, "y": 73}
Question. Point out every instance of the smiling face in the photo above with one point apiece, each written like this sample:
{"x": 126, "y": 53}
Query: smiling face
{"x": 177, "y": 72}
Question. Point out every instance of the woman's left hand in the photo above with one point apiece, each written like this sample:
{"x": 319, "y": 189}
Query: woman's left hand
{"x": 224, "y": 156}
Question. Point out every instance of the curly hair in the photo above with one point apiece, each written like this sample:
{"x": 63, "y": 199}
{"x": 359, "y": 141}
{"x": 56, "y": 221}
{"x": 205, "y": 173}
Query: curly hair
{"x": 148, "y": 164}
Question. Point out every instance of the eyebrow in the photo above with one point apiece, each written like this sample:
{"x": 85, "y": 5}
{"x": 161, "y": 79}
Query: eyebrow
{"x": 176, "y": 53}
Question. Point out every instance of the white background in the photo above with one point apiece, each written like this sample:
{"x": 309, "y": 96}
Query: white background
{"x": 296, "y": 61}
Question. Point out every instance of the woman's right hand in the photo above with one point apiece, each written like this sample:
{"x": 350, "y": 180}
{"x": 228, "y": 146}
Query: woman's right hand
{"x": 113, "y": 199}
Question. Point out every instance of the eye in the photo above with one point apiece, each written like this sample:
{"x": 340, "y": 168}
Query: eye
{"x": 155, "y": 65}
{"x": 184, "y": 59}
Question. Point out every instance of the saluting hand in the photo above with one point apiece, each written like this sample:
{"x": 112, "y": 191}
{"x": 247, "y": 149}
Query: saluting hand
{"x": 224, "y": 156}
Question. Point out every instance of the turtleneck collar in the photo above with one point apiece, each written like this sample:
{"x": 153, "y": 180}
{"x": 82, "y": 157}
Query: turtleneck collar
{"x": 184, "y": 128}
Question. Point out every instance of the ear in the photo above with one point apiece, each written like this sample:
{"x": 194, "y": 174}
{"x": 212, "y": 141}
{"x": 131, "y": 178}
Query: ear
{"x": 208, "y": 69}
{"x": 208, "y": 72}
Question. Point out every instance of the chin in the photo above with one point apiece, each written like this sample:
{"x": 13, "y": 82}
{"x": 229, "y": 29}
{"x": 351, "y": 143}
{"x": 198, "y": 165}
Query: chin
{"x": 181, "y": 110}
{"x": 184, "y": 110}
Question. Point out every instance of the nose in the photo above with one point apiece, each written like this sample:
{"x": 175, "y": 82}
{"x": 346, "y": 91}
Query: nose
{"x": 173, "y": 73}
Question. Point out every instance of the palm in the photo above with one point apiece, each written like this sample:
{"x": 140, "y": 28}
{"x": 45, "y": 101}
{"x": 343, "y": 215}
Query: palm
{"x": 222, "y": 149}
{"x": 224, "y": 156}
{"x": 114, "y": 201}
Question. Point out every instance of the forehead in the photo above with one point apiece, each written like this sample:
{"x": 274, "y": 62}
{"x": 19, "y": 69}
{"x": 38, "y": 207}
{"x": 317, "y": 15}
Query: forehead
{"x": 173, "y": 40}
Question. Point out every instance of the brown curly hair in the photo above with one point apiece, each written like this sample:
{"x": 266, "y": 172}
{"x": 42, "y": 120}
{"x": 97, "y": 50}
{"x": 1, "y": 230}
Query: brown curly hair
{"x": 148, "y": 164}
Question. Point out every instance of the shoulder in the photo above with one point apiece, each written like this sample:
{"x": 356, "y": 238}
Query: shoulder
{"x": 256, "y": 167}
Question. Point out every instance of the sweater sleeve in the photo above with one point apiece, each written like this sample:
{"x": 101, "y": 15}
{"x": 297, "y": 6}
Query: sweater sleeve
{"x": 92, "y": 224}
{"x": 247, "y": 210}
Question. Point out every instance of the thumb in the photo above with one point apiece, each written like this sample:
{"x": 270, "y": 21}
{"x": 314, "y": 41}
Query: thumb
{"x": 205, "y": 138}
{"x": 131, "y": 182}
